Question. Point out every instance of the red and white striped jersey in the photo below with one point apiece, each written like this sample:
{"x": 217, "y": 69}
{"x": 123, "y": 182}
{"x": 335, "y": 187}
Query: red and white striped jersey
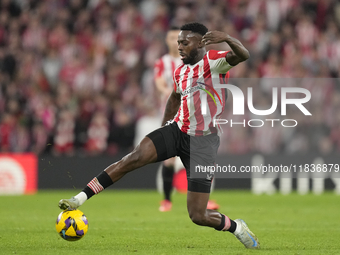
{"x": 193, "y": 82}
{"x": 165, "y": 67}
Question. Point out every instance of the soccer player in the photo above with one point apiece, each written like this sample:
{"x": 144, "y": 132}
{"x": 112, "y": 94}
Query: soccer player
{"x": 163, "y": 75}
{"x": 186, "y": 131}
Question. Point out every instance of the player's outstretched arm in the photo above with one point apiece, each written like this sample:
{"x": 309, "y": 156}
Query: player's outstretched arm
{"x": 238, "y": 52}
{"x": 172, "y": 106}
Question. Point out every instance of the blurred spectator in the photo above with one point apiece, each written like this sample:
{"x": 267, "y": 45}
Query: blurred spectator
{"x": 88, "y": 79}
{"x": 64, "y": 134}
{"x": 122, "y": 131}
{"x": 7, "y": 125}
{"x": 76, "y": 76}
{"x": 39, "y": 138}
{"x": 127, "y": 54}
{"x": 35, "y": 34}
{"x": 51, "y": 66}
{"x": 97, "y": 133}
{"x": 20, "y": 139}
{"x": 71, "y": 69}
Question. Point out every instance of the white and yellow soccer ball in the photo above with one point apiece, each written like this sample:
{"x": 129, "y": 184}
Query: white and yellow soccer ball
{"x": 72, "y": 224}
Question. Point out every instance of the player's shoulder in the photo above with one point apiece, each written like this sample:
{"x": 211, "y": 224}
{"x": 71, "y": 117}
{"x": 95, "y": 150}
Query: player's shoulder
{"x": 166, "y": 57}
{"x": 216, "y": 54}
{"x": 159, "y": 63}
{"x": 178, "y": 68}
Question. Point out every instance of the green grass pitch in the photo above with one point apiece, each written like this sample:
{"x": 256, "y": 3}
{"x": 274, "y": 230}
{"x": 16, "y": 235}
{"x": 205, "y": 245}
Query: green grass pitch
{"x": 128, "y": 222}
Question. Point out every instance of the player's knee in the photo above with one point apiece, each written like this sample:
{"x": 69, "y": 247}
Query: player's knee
{"x": 169, "y": 162}
{"x": 198, "y": 218}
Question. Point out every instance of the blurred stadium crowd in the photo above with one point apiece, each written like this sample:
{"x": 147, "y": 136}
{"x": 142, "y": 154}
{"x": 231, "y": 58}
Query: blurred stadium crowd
{"x": 76, "y": 76}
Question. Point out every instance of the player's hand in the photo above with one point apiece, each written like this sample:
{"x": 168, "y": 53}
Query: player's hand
{"x": 212, "y": 37}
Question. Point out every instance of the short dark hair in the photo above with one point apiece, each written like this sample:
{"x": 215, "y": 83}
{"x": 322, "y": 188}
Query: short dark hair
{"x": 195, "y": 27}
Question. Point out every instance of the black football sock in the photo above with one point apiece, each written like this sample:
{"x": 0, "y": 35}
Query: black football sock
{"x": 232, "y": 227}
{"x": 98, "y": 184}
{"x": 168, "y": 175}
{"x": 226, "y": 224}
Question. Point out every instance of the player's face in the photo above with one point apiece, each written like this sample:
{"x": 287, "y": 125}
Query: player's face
{"x": 171, "y": 40}
{"x": 188, "y": 44}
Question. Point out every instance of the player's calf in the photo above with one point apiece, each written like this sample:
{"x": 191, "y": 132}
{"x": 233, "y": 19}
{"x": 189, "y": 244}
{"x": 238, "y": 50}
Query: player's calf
{"x": 199, "y": 218}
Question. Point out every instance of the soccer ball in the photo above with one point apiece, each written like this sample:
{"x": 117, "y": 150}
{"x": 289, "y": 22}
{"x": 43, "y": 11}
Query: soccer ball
{"x": 72, "y": 224}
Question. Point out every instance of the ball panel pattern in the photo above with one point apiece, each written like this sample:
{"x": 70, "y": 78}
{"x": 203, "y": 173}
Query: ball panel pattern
{"x": 71, "y": 225}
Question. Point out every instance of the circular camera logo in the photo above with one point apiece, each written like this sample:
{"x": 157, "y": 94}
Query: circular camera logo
{"x": 12, "y": 177}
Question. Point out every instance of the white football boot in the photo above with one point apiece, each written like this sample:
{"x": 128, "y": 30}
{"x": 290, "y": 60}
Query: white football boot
{"x": 72, "y": 203}
{"x": 245, "y": 236}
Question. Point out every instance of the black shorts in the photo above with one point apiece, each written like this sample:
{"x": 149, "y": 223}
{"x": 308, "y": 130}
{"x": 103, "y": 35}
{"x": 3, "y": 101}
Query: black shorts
{"x": 194, "y": 152}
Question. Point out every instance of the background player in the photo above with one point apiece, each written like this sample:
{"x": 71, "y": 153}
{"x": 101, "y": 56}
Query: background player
{"x": 187, "y": 133}
{"x": 163, "y": 71}
{"x": 163, "y": 74}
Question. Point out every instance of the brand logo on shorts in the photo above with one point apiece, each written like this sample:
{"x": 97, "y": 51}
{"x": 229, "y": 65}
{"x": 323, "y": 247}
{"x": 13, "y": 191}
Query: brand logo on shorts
{"x": 205, "y": 169}
{"x": 209, "y": 177}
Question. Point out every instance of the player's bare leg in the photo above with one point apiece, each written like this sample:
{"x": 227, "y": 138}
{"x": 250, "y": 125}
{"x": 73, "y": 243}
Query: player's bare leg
{"x": 143, "y": 154}
{"x": 197, "y": 204}
{"x": 198, "y": 212}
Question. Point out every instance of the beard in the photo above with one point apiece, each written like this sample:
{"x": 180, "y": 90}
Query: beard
{"x": 190, "y": 58}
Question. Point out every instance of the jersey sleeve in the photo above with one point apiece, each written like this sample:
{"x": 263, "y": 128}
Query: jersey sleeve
{"x": 158, "y": 69}
{"x": 176, "y": 78}
{"x": 175, "y": 83}
{"x": 218, "y": 62}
